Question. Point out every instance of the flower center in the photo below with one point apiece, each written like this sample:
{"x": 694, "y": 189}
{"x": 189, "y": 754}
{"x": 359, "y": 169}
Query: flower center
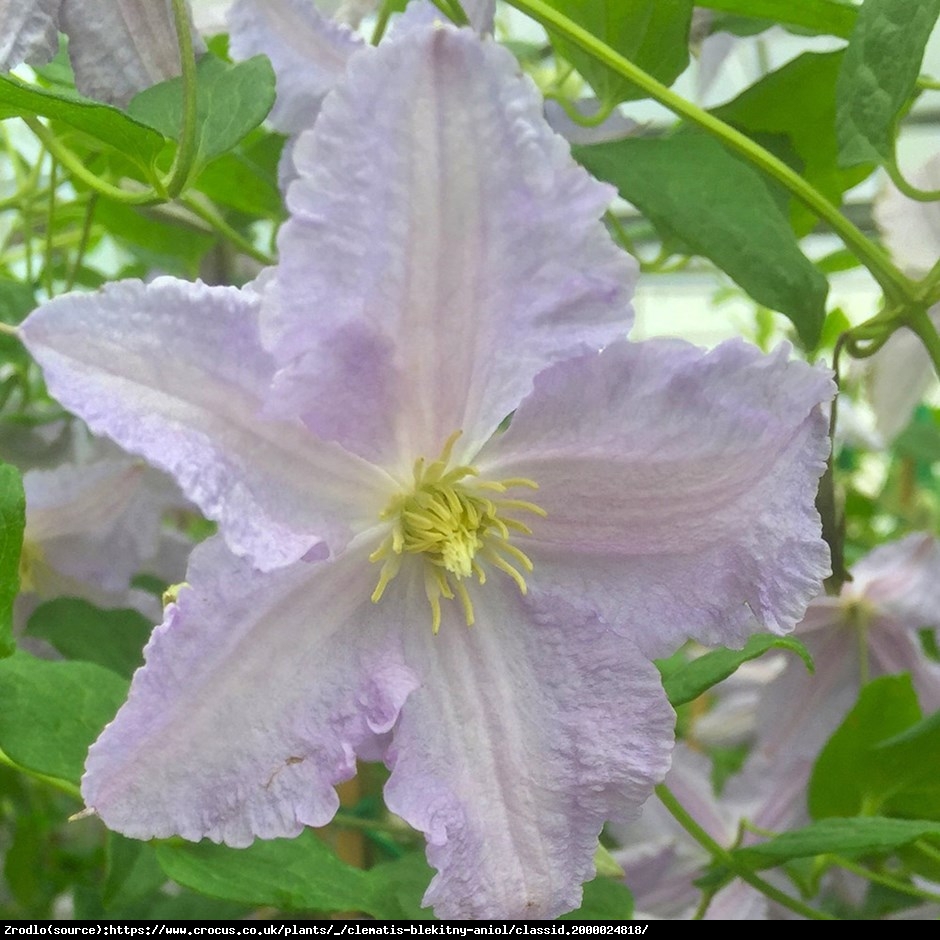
{"x": 456, "y": 522}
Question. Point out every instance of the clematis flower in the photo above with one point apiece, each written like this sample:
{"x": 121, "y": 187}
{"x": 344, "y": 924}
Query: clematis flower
{"x": 396, "y": 578}
{"x": 92, "y": 523}
{"x": 117, "y": 47}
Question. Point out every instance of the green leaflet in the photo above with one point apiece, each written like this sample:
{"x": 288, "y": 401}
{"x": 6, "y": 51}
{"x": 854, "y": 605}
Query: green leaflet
{"x": 51, "y": 712}
{"x": 654, "y": 34}
{"x": 792, "y": 112}
{"x": 879, "y": 74}
{"x": 819, "y": 16}
{"x": 850, "y": 838}
{"x": 690, "y": 680}
{"x": 80, "y": 631}
{"x": 231, "y": 100}
{"x": 108, "y": 125}
{"x": 715, "y": 204}
{"x": 882, "y": 760}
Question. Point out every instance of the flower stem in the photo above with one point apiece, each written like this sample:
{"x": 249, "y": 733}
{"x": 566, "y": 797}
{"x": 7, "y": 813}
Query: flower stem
{"x": 215, "y": 221}
{"x": 918, "y": 322}
{"x": 381, "y": 22}
{"x": 74, "y": 165}
{"x": 186, "y": 150}
{"x": 720, "y": 854}
{"x": 909, "y": 189}
{"x": 63, "y": 785}
{"x": 896, "y": 884}
{"x": 893, "y": 282}
{"x": 50, "y": 227}
{"x": 83, "y": 244}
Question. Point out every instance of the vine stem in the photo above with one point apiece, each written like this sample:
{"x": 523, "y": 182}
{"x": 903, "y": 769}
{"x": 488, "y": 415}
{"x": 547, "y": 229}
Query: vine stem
{"x": 907, "y": 188}
{"x": 894, "y": 883}
{"x": 893, "y": 282}
{"x": 64, "y": 156}
{"x": 720, "y": 854}
{"x": 215, "y": 221}
{"x": 186, "y": 150}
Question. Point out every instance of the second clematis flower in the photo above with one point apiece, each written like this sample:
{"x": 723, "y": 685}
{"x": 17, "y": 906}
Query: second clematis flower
{"x": 398, "y": 577}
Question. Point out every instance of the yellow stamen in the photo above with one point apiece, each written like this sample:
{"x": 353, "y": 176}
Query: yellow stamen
{"x": 447, "y": 519}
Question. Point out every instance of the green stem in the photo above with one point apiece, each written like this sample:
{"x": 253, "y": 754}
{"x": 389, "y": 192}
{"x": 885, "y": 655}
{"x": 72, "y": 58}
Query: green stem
{"x": 213, "y": 219}
{"x": 583, "y": 120}
{"x": 720, "y": 854}
{"x": 453, "y": 11}
{"x": 892, "y": 281}
{"x": 929, "y": 284}
{"x": 186, "y": 150}
{"x": 83, "y": 244}
{"x": 350, "y": 821}
{"x": 381, "y": 22}
{"x": 909, "y": 189}
{"x": 75, "y": 166}
{"x": 918, "y": 322}
{"x": 50, "y": 226}
{"x": 894, "y": 883}
{"x": 63, "y": 785}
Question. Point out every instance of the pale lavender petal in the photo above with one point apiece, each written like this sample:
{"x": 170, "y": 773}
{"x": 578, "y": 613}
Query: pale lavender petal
{"x": 443, "y": 248}
{"x": 174, "y": 371}
{"x": 902, "y": 581}
{"x": 258, "y": 692}
{"x": 29, "y": 32}
{"x": 528, "y": 730}
{"x": 309, "y": 54}
{"x": 679, "y": 487}
{"x": 97, "y": 523}
{"x": 897, "y": 378}
{"x": 911, "y": 229}
{"x": 120, "y": 47}
{"x": 892, "y": 651}
{"x": 738, "y": 901}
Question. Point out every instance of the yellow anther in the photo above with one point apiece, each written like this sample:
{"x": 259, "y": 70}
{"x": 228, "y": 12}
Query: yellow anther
{"x": 447, "y": 519}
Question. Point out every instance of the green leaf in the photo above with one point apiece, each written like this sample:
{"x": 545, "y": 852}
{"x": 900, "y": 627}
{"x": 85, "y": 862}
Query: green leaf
{"x": 695, "y": 191}
{"x": 403, "y": 883}
{"x": 155, "y": 238}
{"x": 689, "y": 681}
{"x": 79, "y": 630}
{"x": 603, "y": 899}
{"x": 12, "y": 523}
{"x": 797, "y": 102}
{"x": 832, "y": 17}
{"x": 234, "y": 181}
{"x": 883, "y": 759}
{"x": 851, "y": 838}
{"x": 653, "y": 34}
{"x": 108, "y": 125}
{"x": 51, "y": 712}
{"x": 301, "y": 874}
{"x": 231, "y": 100}
{"x": 16, "y": 300}
{"x": 879, "y": 74}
